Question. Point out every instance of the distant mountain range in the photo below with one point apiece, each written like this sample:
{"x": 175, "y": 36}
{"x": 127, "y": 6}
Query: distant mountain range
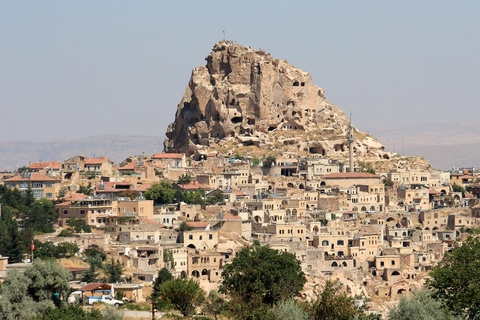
{"x": 19, "y": 153}
{"x": 445, "y": 145}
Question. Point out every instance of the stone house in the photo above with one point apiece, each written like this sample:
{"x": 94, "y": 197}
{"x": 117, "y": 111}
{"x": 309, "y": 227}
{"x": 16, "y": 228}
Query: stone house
{"x": 41, "y": 185}
{"x": 100, "y": 166}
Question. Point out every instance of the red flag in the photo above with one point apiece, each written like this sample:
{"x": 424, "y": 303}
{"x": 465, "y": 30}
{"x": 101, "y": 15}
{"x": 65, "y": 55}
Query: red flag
{"x": 32, "y": 247}
{"x": 223, "y": 31}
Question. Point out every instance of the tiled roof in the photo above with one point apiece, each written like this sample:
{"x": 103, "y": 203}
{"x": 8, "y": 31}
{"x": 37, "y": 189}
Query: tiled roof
{"x": 238, "y": 193}
{"x": 32, "y": 177}
{"x": 95, "y": 285}
{"x": 47, "y": 164}
{"x": 153, "y": 222}
{"x": 350, "y": 175}
{"x": 168, "y": 156}
{"x": 63, "y": 204}
{"x": 232, "y": 217}
{"x": 130, "y": 166}
{"x": 193, "y": 186}
{"x": 198, "y": 224}
{"x": 75, "y": 196}
{"x": 98, "y": 161}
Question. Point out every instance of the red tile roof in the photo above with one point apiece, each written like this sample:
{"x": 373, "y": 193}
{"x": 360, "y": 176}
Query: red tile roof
{"x": 351, "y": 175}
{"x": 168, "y": 156}
{"x": 130, "y": 166}
{"x": 153, "y": 222}
{"x": 98, "y": 161}
{"x": 111, "y": 187}
{"x": 193, "y": 186}
{"x": 75, "y": 196}
{"x": 63, "y": 204}
{"x": 238, "y": 193}
{"x": 95, "y": 286}
{"x": 232, "y": 218}
{"x": 33, "y": 177}
{"x": 198, "y": 224}
{"x": 47, "y": 164}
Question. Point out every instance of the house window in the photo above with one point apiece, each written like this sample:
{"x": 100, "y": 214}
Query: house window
{"x": 382, "y": 263}
{"x": 48, "y": 185}
{"x": 200, "y": 237}
{"x": 82, "y": 211}
{"x": 48, "y": 195}
{"x": 38, "y": 193}
{"x": 210, "y": 236}
{"x": 190, "y": 237}
{"x": 65, "y": 211}
{"x": 393, "y": 262}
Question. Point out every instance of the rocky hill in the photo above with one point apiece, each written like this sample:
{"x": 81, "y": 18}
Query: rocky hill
{"x": 243, "y": 100}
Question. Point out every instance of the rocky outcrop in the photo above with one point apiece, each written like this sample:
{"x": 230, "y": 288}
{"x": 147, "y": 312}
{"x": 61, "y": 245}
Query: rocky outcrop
{"x": 243, "y": 97}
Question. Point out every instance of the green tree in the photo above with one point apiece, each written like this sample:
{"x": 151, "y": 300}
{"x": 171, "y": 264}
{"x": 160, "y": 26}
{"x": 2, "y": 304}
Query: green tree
{"x": 289, "y": 310}
{"x": 255, "y": 161}
{"x": 332, "y": 304}
{"x": 48, "y": 250}
{"x": 90, "y": 275}
{"x": 270, "y": 161}
{"x": 95, "y": 256}
{"x": 388, "y": 182}
{"x": 184, "y": 227}
{"x": 184, "y": 179}
{"x": 161, "y": 193}
{"x": 40, "y": 216}
{"x": 185, "y": 295}
{"x": 163, "y": 276}
{"x": 194, "y": 197}
{"x": 10, "y": 238}
{"x": 113, "y": 271}
{"x": 215, "y": 304}
{"x": 47, "y": 278}
{"x": 456, "y": 279}
{"x": 78, "y": 225}
{"x": 259, "y": 277}
{"x": 86, "y": 190}
{"x": 68, "y": 312}
{"x": 421, "y": 306}
{"x": 15, "y": 303}
{"x": 457, "y": 188}
{"x": 128, "y": 194}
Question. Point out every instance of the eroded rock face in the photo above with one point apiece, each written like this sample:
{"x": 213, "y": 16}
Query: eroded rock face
{"x": 246, "y": 97}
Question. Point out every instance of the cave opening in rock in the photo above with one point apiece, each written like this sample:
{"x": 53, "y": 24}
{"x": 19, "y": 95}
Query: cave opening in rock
{"x": 317, "y": 150}
{"x": 236, "y": 120}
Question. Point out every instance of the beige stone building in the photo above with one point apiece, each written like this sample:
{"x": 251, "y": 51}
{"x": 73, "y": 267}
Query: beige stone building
{"x": 41, "y": 185}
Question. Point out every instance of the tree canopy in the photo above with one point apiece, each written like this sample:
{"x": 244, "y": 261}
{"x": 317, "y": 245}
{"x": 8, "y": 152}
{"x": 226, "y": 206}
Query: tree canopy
{"x": 161, "y": 193}
{"x": 183, "y": 294}
{"x": 259, "y": 276}
{"x": 420, "y": 306}
{"x": 456, "y": 279}
{"x": 24, "y": 295}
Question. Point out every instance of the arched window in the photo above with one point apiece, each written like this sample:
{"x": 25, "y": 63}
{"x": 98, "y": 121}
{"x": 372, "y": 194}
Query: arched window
{"x": 325, "y": 243}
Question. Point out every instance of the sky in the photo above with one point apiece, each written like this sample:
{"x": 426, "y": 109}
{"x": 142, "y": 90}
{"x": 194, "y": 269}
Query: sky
{"x": 71, "y": 69}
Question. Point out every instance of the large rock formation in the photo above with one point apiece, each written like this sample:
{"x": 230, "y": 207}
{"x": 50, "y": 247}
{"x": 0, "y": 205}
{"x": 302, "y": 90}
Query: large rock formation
{"x": 243, "y": 97}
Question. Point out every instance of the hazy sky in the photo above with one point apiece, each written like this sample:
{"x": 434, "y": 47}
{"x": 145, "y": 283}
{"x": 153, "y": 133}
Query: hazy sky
{"x": 73, "y": 69}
